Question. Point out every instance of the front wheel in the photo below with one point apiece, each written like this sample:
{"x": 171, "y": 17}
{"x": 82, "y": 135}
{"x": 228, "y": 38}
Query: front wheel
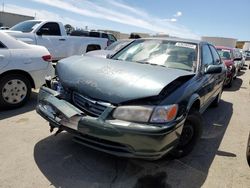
{"x": 190, "y": 135}
{"x": 14, "y": 91}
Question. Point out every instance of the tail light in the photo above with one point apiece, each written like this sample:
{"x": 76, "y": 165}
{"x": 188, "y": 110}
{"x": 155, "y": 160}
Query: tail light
{"x": 47, "y": 58}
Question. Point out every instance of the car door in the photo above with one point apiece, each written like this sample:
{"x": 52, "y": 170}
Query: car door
{"x": 51, "y": 38}
{"x": 219, "y": 77}
{"x": 209, "y": 79}
{"x": 4, "y": 56}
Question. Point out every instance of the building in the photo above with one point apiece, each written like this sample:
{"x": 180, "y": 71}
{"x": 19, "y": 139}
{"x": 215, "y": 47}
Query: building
{"x": 220, "y": 41}
{"x": 245, "y": 45}
{"x": 9, "y": 19}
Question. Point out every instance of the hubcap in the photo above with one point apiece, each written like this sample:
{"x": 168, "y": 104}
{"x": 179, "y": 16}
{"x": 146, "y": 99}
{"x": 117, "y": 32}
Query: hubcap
{"x": 14, "y": 91}
{"x": 186, "y": 135}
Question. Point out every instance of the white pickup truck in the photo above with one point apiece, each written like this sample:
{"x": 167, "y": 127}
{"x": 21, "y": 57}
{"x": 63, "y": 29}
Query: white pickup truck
{"x": 53, "y": 36}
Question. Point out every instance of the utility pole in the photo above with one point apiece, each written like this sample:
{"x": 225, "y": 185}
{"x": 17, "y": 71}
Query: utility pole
{"x": 3, "y": 6}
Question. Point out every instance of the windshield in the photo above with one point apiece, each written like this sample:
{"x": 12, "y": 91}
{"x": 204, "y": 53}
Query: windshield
{"x": 224, "y": 54}
{"x": 25, "y": 27}
{"x": 116, "y": 46}
{"x": 171, "y": 54}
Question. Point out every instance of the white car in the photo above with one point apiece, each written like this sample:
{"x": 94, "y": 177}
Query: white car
{"x": 22, "y": 67}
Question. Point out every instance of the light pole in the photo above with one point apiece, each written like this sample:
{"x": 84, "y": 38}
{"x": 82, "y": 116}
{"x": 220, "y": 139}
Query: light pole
{"x": 3, "y": 6}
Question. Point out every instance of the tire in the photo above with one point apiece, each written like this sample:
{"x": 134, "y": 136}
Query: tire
{"x": 230, "y": 82}
{"x": 191, "y": 133}
{"x": 15, "y": 90}
{"x": 248, "y": 150}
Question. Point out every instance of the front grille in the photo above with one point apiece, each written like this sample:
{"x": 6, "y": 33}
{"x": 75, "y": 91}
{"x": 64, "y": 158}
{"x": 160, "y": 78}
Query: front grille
{"x": 90, "y": 106}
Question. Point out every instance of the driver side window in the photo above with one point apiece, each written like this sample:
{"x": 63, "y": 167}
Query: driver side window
{"x": 207, "y": 58}
{"x": 51, "y": 28}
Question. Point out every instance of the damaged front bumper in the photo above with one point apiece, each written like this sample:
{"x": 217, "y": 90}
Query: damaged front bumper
{"x": 117, "y": 137}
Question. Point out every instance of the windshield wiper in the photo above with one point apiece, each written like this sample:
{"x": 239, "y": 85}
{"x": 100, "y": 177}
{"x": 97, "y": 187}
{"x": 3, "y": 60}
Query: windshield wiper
{"x": 145, "y": 62}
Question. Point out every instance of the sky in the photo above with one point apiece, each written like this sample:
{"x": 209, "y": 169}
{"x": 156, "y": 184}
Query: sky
{"x": 181, "y": 18}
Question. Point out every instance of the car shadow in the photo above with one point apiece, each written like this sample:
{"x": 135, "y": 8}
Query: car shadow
{"x": 29, "y": 106}
{"x": 242, "y": 72}
{"x": 67, "y": 164}
{"x": 236, "y": 85}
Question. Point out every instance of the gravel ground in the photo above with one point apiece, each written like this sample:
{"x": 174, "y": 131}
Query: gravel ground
{"x": 32, "y": 157}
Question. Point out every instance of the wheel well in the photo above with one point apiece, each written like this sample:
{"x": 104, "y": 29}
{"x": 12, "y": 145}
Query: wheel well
{"x": 19, "y": 72}
{"x": 195, "y": 106}
{"x": 92, "y": 47}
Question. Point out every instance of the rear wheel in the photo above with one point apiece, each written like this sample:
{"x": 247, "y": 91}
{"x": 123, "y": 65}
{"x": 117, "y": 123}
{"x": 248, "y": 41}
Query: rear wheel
{"x": 14, "y": 91}
{"x": 230, "y": 83}
{"x": 190, "y": 135}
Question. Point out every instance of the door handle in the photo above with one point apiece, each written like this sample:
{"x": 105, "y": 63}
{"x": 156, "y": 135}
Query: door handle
{"x": 1, "y": 56}
{"x": 62, "y": 39}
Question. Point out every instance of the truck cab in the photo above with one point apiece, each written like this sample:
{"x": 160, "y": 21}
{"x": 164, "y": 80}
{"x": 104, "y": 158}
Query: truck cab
{"x": 53, "y": 36}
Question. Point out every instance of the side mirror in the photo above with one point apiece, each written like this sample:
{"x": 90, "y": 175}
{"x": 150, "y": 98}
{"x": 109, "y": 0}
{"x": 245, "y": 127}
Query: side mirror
{"x": 39, "y": 33}
{"x": 42, "y": 31}
{"x": 213, "y": 69}
{"x": 108, "y": 56}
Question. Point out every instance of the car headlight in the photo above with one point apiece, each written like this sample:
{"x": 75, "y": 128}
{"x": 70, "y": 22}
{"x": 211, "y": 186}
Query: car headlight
{"x": 145, "y": 114}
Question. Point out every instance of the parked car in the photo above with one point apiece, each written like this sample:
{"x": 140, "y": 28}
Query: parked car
{"x": 239, "y": 56}
{"x": 144, "y": 102}
{"x": 247, "y": 55}
{"x": 99, "y": 34}
{"x": 243, "y": 55}
{"x": 4, "y": 28}
{"x": 22, "y": 67}
{"x": 111, "y": 49}
{"x": 53, "y": 36}
{"x": 231, "y": 60}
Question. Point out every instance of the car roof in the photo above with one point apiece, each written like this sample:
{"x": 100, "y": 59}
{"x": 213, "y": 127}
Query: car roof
{"x": 224, "y": 47}
{"x": 175, "y": 39}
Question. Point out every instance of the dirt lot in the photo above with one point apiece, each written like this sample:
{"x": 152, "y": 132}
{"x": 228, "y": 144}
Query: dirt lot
{"x": 32, "y": 157}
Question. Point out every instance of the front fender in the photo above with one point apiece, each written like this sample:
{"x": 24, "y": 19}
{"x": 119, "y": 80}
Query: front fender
{"x": 192, "y": 100}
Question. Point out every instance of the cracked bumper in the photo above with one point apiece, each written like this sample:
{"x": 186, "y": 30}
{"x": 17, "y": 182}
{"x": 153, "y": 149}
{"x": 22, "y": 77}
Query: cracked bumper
{"x": 112, "y": 136}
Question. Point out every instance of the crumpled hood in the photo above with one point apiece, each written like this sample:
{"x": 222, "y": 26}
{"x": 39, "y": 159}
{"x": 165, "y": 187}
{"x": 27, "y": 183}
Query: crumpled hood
{"x": 112, "y": 80}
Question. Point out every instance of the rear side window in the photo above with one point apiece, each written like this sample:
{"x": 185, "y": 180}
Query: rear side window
{"x": 94, "y": 34}
{"x": 51, "y": 28}
{"x": 207, "y": 58}
{"x": 215, "y": 55}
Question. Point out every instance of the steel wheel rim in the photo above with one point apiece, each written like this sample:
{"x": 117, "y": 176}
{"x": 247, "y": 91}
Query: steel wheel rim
{"x": 186, "y": 135}
{"x": 14, "y": 91}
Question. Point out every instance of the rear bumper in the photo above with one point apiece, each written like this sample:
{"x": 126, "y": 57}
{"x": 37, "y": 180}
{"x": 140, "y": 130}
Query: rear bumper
{"x": 38, "y": 76}
{"x": 112, "y": 136}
